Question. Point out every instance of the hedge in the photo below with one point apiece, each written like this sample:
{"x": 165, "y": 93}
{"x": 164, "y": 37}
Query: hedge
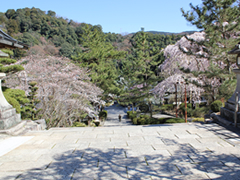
{"x": 167, "y": 107}
{"x": 103, "y": 114}
{"x": 216, "y": 105}
{"x": 14, "y": 103}
{"x": 131, "y": 115}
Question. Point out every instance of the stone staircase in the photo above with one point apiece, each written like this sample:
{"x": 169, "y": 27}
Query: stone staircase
{"x": 24, "y": 126}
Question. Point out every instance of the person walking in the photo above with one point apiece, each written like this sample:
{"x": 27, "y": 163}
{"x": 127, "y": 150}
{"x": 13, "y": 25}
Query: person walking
{"x": 120, "y": 117}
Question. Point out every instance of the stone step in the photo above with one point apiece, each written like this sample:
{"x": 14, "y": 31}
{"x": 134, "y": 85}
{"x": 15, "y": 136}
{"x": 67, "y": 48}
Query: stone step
{"x": 21, "y": 131}
{"x": 24, "y": 126}
{"x": 12, "y": 130}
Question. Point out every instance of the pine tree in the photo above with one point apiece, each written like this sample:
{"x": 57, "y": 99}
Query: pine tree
{"x": 140, "y": 72}
{"x": 220, "y": 21}
{"x": 130, "y": 80}
{"x": 98, "y": 56}
{"x": 30, "y": 110}
{"x": 5, "y": 62}
{"x": 16, "y": 98}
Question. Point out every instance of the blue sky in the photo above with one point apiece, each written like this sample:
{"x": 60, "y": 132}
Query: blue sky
{"x": 118, "y": 16}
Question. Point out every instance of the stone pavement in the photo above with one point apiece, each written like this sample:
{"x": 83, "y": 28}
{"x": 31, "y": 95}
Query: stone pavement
{"x": 115, "y": 110}
{"x": 173, "y": 151}
{"x": 113, "y": 113}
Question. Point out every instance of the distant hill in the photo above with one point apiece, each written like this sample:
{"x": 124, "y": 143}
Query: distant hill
{"x": 170, "y": 33}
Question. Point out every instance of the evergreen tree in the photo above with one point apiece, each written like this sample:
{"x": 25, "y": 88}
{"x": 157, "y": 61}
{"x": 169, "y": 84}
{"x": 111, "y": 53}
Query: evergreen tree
{"x": 5, "y": 62}
{"x": 98, "y": 56}
{"x": 140, "y": 72}
{"x": 130, "y": 80}
{"x": 30, "y": 111}
{"x": 16, "y": 98}
{"x": 220, "y": 21}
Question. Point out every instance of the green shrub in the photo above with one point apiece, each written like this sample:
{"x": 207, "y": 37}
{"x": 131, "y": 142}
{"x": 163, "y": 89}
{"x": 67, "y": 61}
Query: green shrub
{"x": 156, "y": 108}
{"x": 200, "y": 112}
{"x": 58, "y": 40}
{"x": 135, "y": 121}
{"x": 29, "y": 39}
{"x": 143, "y": 116}
{"x": 216, "y": 105}
{"x": 8, "y": 51}
{"x": 198, "y": 120}
{"x": 108, "y": 104}
{"x": 103, "y": 114}
{"x": 128, "y": 113}
{"x": 66, "y": 50}
{"x": 79, "y": 124}
{"x": 92, "y": 124}
{"x": 144, "y": 107}
{"x": 141, "y": 121}
{"x": 145, "y": 119}
{"x": 202, "y": 104}
{"x": 167, "y": 107}
{"x": 131, "y": 115}
{"x": 189, "y": 109}
{"x": 17, "y": 94}
{"x": 175, "y": 120}
{"x": 227, "y": 88}
{"x": 14, "y": 103}
{"x": 153, "y": 121}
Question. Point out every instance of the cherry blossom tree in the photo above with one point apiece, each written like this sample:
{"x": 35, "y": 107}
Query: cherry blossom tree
{"x": 65, "y": 90}
{"x": 177, "y": 60}
{"x": 191, "y": 61}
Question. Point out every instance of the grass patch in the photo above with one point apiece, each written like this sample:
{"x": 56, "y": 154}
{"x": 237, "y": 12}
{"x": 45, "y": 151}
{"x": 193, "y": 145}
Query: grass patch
{"x": 79, "y": 124}
{"x": 145, "y": 120}
{"x": 175, "y": 120}
{"x": 198, "y": 120}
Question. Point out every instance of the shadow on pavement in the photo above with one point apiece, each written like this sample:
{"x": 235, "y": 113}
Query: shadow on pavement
{"x": 185, "y": 162}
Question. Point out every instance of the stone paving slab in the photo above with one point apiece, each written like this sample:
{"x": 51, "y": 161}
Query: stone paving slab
{"x": 11, "y": 143}
{"x": 173, "y": 151}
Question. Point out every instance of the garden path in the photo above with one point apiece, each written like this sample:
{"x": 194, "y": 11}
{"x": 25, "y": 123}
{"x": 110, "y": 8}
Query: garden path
{"x": 113, "y": 113}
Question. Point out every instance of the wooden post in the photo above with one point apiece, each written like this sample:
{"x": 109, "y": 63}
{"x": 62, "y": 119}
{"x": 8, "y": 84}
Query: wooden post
{"x": 236, "y": 109}
{"x": 176, "y": 100}
{"x": 185, "y": 104}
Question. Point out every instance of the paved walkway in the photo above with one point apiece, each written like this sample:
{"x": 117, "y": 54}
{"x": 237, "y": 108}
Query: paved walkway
{"x": 113, "y": 113}
{"x": 179, "y": 151}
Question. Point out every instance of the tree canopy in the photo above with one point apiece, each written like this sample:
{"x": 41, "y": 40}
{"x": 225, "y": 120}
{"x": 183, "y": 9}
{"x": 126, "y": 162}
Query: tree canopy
{"x": 220, "y": 20}
{"x": 140, "y": 72}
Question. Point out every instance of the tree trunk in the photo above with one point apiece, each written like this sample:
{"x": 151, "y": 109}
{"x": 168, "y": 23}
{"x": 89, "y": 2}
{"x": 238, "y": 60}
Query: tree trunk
{"x": 150, "y": 108}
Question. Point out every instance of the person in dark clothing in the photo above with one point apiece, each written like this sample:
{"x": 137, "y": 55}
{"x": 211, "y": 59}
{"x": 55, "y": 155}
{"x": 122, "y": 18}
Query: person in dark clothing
{"x": 120, "y": 117}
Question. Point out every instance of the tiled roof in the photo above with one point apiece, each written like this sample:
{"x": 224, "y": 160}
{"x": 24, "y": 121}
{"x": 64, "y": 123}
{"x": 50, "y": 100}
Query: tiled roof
{"x": 7, "y": 41}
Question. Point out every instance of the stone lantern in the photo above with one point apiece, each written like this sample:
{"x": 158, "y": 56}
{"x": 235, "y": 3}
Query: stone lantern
{"x": 228, "y": 112}
{"x": 8, "y": 115}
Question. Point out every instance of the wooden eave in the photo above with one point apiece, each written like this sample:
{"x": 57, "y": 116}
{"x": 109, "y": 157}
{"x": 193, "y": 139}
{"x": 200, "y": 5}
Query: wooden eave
{"x": 8, "y": 44}
{"x": 7, "y": 41}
